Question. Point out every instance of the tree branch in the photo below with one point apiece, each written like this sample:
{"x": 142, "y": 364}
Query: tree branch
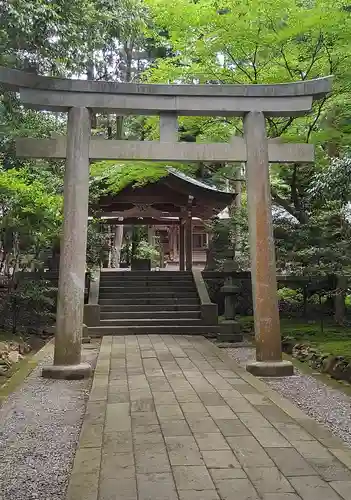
{"x": 286, "y": 64}
{"x": 293, "y": 189}
{"x": 317, "y": 48}
{"x": 273, "y": 125}
{"x": 316, "y": 118}
{"x": 246, "y": 73}
{"x": 255, "y": 55}
{"x": 300, "y": 215}
{"x": 287, "y": 125}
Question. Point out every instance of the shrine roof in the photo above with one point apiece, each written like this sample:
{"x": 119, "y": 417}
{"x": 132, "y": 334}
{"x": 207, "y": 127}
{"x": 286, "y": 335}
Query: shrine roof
{"x": 196, "y": 182}
{"x": 168, "y": 196}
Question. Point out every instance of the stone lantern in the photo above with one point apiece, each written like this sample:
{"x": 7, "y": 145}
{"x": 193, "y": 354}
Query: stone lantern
{"x": 230, "y": 328}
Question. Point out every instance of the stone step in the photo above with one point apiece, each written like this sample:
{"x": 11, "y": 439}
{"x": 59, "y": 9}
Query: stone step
{"x": 127, "y": 301}
{"x": 147, "y": 274}
{"x": 142, "y": 284}
{"x": 146, "y": 289}
{"x": 131, "y": 308}
{"x": 100, "y": 331}
{"x": 152, "y": 322}
{"x": 144, "y": 279}
{"x": 149, "y": 302}
{"x": 151, "y": 314}
{"x": 148, "y": 295}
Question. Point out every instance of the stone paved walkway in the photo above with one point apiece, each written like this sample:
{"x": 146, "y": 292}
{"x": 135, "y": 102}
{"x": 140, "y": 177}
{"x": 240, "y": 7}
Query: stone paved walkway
{"x": 174, "y": 418}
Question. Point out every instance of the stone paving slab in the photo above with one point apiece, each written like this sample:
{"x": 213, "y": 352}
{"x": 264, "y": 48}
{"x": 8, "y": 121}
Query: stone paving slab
{"x": 174, "y": 418}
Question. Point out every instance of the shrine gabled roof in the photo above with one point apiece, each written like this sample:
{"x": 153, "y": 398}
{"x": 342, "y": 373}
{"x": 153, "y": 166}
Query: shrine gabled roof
{"x": 169, "y": 195}
{"x": 196, "y": 182}
{"x": 200, "y": 190}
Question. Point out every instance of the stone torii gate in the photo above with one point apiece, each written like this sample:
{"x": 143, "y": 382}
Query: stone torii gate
{"x": 252, "y": 102}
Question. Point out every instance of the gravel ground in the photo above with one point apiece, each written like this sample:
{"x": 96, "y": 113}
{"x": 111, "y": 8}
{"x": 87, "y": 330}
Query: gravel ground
{"x": 39, "y": 431}
{"x": 321, "y": 402}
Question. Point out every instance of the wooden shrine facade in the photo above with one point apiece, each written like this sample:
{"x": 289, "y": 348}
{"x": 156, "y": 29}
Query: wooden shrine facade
{"x": 175, "y": 205}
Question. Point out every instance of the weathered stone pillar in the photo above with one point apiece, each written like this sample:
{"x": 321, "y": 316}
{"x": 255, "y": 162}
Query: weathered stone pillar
{"x": 189, "y": 243}
{"x": 263, "y": 269}
{"x": 69, "y": 318}
{"x": 181, "y": 245}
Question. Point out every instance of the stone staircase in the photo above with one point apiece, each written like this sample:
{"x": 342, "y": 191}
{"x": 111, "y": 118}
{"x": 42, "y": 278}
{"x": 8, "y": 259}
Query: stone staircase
{"x": 146, "y": 302}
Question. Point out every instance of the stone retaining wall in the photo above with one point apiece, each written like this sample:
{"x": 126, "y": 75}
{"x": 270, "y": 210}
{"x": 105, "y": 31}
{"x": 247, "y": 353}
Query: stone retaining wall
{"x": 338, "y": 367}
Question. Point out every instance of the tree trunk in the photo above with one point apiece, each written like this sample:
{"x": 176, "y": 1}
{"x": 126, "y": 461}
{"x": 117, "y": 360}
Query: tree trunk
{"x": 237, "y": 204}
{"x": 119, "y": 127}
{"x": 116, "y": 246}
{"x": 211, "y": 263}
{"x": 90, "y": 76}
{"x": 339, "y": 300}
{"x": 118, "y": 230}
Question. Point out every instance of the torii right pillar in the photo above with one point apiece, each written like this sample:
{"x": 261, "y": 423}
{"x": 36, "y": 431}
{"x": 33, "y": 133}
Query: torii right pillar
{"x": 269, "y": 360}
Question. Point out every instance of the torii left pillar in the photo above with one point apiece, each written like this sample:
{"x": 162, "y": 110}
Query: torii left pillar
{"x": 69, "y": 318}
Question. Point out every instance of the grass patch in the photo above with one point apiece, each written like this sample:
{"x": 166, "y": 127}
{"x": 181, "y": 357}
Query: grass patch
{"x": 333, "y": 339}
{"x": 8, "y": 337}
{"x": 19, "y": 371}
{"x": 17, "y": 374}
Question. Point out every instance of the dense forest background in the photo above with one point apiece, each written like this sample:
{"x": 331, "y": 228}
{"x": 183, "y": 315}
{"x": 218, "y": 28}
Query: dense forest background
{"x": 183, "y": 41}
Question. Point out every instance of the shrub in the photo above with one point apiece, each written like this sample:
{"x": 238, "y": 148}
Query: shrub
{"x": 27, "y": 306}
{"x": 146, "y": 251}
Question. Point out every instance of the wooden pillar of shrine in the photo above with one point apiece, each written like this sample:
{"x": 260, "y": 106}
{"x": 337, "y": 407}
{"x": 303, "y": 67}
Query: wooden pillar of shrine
{"x": 182, "y": 245}
{"x": 174, "y": 242}
{"x": 189, "y": 237}
{"x": 151, "y": 235}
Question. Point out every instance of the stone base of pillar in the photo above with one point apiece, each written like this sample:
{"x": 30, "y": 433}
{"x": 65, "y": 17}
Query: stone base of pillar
{"x": 67, "y": 372}
{"x": 229, "y": 331}
{"x": 91, "y": 314}
{"x": 270, "y": 368}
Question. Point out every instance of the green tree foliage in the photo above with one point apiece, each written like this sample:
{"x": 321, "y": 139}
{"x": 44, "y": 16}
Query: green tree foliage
{"x": 30, "y": 220}
{"x": 109, "y": 176}
{"x": 187, "y": 41}
{"x": 112, "y": 177}
{"x": 334, "y": 181}
{"x": 256, "y": 42}
{"x": 321, "y": 246}
{"x": 62, "y": 36}
{"x": 96, "y": 246}
{"x": 27, "y": 305}
{"x": 264, "y": 42}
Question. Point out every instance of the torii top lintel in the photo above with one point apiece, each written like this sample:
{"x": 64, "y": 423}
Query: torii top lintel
{"x": 55, "y": 94}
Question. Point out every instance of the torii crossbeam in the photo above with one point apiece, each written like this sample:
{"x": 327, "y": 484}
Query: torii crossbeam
{"x": 252, "y": 102}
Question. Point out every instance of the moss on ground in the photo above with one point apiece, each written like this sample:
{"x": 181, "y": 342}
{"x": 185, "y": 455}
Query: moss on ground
{"x": 8, "y": 337}
{"x": 332, "y": 339}
{"x": 18, "y": 371}
{"x": 16, "y": 376}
